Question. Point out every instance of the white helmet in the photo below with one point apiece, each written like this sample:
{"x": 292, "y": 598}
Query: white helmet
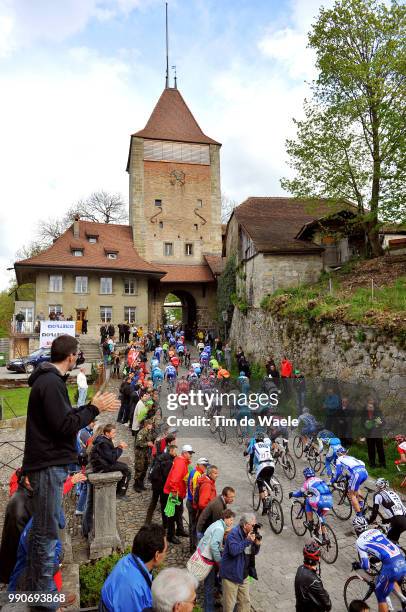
{"x": 381, "y": 483}
{"x": 359, "y": 524}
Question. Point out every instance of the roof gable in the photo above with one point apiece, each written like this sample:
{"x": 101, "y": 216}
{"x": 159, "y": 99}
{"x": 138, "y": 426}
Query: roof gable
{"x": 172, "y": 119}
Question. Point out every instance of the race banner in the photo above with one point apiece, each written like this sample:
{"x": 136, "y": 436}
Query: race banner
{"x": 52, "y": 329}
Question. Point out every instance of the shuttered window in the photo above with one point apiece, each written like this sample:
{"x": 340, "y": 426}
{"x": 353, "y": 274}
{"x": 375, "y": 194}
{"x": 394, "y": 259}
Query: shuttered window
{"x": 156, "y": 150}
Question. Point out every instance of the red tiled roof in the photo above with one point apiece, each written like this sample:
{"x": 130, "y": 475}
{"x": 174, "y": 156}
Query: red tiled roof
{"x": 94, "y": 255}
{"x": 172, "y": 119}
{"x": 177, "y": 273}
{"x": 216, "y": 263}
{"x": 273, "y": 223}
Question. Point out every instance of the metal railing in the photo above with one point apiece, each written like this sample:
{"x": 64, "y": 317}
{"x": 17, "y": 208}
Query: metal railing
{"x": 24, "y": 327}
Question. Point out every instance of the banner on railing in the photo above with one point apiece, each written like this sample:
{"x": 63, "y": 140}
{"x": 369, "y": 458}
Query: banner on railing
{"x": 52, "y": 329}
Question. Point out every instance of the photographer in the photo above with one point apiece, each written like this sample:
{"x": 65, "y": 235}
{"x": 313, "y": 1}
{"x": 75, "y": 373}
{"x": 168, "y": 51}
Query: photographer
{"x": 242, "y": 543}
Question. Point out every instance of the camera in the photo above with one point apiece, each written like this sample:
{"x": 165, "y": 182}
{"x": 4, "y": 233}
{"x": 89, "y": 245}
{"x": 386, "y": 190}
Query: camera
{"x": 255, "y": 531}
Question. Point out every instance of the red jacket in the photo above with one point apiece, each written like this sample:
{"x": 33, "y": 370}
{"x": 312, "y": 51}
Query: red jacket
{"x": 286, "y": 368}
{"x": 207, "y": 491}
{"x": 177, "y": 477}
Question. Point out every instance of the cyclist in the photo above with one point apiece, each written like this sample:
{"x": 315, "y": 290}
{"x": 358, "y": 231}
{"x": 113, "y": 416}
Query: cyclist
{"x": 309, "y": 590}
{"x": 309, "y": 429}
{"x": 331, "y": 457}
{"x": 244, "y": 383}
{"x": 197, "y": 368}
{"x": 392, "y": 508}
{"x": 259, "y": 450}
{"x": 275, "y": 432}
{"x": 158, "y": 353}
{"x": 165, "y": 348}
{"x": 401, "y": 442}
{"x": 372, "y": 542}
{"x": 157, "y": 377}
{"x": 214, "y": 364}
{"x": 318, "y": 499}
{"x": 175, "y": 361}
{"x": 170, "y": 375}
{"x": 356, "y": 472}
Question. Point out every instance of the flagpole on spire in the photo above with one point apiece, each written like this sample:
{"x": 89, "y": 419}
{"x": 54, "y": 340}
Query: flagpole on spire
{"x": 167, "y": 47}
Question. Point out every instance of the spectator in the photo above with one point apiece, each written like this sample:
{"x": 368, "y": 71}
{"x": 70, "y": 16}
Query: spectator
{"x": 331, "y": 406}
{"x": 269, "y": 362}
{"x": 239, "y": 356}
{"x": 128, "y": 586}
{"x": 210, "y": 547}
{"x": 158, "y": 474}
{"x": 214, "y": 510}
{"x": 299, "y": 384}
{"x": 206, "y": 488}
{"x": 20, "y": 318}
{"x": 174, "y": 590}
{"x": 127, "y": 331}
{"x": 110, "y": 329}
{"x": 116, "y": 364}
{"x": 139, "y": 413}
{"x": 234, "y": 565}
{"x": 18, "y": 512}
{"x": 143, "y": 444}
{"x": 286, "y": 373}
{"x": 84, "y": 326}
{"x": 176, "y": 484}
{"x": 50, "y": 446}
{"x": 193, "y": 478}
{"x": 103, "y": 332}
{"x": 104, "y": 457}
{"x": 81, "y": 382}
{"x": 311, "y": 596}
{"x": 371, "y": 420}
{"x": 345, "y": 419}
{"x": 273, "y": 371}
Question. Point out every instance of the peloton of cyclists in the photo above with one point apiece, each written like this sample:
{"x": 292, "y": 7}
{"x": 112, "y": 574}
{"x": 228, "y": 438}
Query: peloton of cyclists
{"x": 372, "y": 542}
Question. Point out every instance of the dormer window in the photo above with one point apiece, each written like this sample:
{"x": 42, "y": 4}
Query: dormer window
{"x": 77, "y": 252}
{"x": 111, "y": 255}
{"x": 92, "y": 239}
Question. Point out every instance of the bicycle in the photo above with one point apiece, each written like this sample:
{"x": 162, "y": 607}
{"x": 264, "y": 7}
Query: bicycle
{"x": 282, "y": 455}
{"x": 276, "y": 487}
{"x": 328, "y": 546}
{"x": 216, "y": 424}
{"x": 312, "y": 455}
{"x": 272, "y": 505}
{"x": 342, "y": 506}
{"x": 170, "y": 385}
{"x": 358, "y": 586}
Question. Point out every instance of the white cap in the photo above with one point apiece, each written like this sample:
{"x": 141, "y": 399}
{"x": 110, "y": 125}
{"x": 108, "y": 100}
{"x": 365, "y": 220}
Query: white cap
{"x": 186, "y": 448}
{"x": 202, "y": 461}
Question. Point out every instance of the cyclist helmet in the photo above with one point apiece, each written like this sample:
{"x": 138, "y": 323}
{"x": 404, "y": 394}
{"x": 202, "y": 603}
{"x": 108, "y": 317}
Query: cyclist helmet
{"x": 400, "y": 438}
{"x": 259, "y": 437}
{"x": 311, "y": 552}
{"x": 309, "y": 472}
{"x": 340, "y": 450}
{"x": 381, "y": 483}
{"x": 242, "y": 373}
{"x": 360, "y": 524}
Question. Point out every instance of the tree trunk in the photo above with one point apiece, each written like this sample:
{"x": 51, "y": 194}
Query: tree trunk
{"x": 373, "y": 237}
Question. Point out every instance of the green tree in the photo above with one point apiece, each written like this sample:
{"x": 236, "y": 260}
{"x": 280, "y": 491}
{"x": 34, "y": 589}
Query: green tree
{"x": 351, "y": 143}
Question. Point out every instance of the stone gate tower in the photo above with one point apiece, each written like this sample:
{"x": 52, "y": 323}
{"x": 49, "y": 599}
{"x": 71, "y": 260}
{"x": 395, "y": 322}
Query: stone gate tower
{"x": 175, "y": 207}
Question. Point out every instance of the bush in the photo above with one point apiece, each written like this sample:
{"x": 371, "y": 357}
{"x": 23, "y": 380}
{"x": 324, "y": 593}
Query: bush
{"x": 92, "y": 576}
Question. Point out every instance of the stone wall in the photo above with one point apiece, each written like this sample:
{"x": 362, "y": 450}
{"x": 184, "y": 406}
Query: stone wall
{"x": 353, "y": 354}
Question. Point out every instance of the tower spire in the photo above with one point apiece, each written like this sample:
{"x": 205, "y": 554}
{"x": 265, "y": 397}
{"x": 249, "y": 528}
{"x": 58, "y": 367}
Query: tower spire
{"x": 167, "y": 47}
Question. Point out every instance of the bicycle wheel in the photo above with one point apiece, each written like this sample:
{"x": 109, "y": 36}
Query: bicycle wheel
{"x": 239, "y": 434}
{"x": 222, "y": 434}
{"x": 329, "y": 550}
{"x": 275, "y": 516}
{"x": 288, "y": 466}
{"x": 314, "y": 459}
{"x": 276, "y": 489}
{"x": 213, "y": 426}
{"x": 256, "y": 500}
{"x": 297, "y": 516}
{"x": 341, "y": 504}
{"x": 251, "y": 477}
{"x": 356, "y": 588}
{"x": 298, "y": 446}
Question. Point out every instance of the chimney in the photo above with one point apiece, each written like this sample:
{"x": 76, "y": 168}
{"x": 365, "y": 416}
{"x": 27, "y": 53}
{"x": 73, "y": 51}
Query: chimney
{"x": 76, "y": 226}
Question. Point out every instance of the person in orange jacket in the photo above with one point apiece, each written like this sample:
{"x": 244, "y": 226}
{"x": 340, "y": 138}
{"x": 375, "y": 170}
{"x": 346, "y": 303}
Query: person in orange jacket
{"x": 207, "y": 488}
{"x": 176, "y": 483}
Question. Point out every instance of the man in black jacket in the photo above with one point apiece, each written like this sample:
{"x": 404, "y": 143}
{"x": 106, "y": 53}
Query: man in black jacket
{"x": 311, "y": 596}
{"x": 104, "y": 457}
{"x": 50, "y": 446}
{"x": 160, "y": 469}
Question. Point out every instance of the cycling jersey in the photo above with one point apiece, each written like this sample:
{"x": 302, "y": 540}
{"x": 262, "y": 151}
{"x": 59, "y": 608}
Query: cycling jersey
{"x": 204, "y": 359}
{"x": 308, "y": 422}
{"x": 353, "y": 468}
{"x": 157, "y": 373}
{"x": 331, "y": 456}
{"x": 262, "y": 456}
{"x": 374, "y": 542}
{"x": 320, "y": 499}
{"x": 391, "y": 505}
{"x": 158, "y": 352}
{"x": 170, "y": 371}
{"x": 181, "y": 348}
{"x": 175, "y": 361}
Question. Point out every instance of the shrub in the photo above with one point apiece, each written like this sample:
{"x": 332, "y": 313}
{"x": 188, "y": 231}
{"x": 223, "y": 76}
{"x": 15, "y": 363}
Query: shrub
{"x": 92, "y": 576}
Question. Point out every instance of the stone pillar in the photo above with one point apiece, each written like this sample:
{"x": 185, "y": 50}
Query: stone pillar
{"x": 66, "y": 540}
{"x": 104, "y": 538}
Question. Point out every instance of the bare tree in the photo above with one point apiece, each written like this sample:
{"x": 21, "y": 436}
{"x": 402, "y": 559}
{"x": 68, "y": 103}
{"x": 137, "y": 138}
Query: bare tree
{"x": 227, "y": 207}
{"x": 49, "y": 230}
{"x": 99, "y": 207}
{"x": 30, "y": 249}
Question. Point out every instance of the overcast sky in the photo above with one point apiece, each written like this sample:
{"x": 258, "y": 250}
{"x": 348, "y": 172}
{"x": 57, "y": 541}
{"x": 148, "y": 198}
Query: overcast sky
{"x": 77, "y": 77}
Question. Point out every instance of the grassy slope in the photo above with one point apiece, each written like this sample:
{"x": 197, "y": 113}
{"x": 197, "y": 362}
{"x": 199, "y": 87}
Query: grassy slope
{"x": 18, "y": 399}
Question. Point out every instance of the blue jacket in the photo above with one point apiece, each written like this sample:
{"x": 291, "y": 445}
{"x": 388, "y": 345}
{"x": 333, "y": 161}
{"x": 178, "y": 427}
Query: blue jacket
{"x": 232, "y": 565}
{"x": 126, "y": 588}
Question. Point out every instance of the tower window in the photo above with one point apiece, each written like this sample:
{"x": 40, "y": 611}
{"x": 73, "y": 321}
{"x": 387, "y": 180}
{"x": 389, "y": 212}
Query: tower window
{"x": 168, "y": 249}
{"x": 195, "y": 225}
{"x": 158, "y": 202}
{"x": 188, "y": 248}
{"x": 199, "y": 203}
{"x": 161, "y": 224}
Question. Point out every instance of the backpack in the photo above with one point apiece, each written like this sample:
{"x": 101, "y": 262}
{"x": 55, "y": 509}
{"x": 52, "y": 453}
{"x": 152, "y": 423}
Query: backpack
{"x": 155, "y": 475}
